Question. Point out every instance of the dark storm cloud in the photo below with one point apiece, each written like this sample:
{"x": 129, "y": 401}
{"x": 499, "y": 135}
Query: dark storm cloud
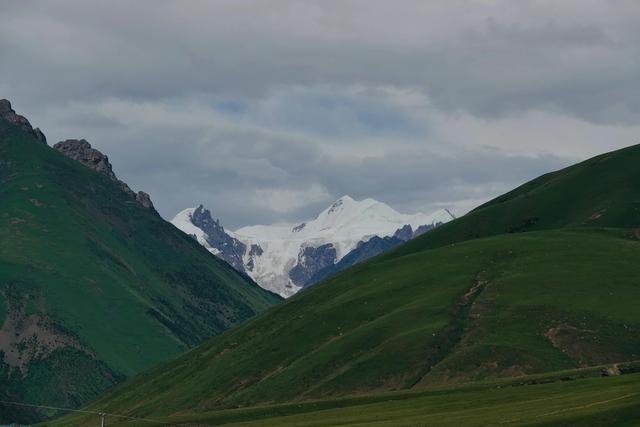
{"x": 265, "y": 111}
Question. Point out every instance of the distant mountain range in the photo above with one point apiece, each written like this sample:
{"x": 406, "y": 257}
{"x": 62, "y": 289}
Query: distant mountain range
{"x": 285, "y": 258}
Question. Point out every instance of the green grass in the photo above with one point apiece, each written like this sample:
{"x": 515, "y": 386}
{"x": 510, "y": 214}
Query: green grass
{"x": 579, "y": 397}
{"x": 397, "y": 323}
{"x": 543, "y": 279}
{"x": 600, "y": 192}
{"x": 596, "y": 401}
{"x": 124, "y": 288}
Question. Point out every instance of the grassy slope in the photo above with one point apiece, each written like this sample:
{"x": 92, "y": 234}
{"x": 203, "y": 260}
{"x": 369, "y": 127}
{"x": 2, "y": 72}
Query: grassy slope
{"x": 601, "y": 192}
{"x": 448, "y": 307}
{"x": 539, "y": 401}
{"x": 394, "y": 324}
{"x": 125, "y": 287}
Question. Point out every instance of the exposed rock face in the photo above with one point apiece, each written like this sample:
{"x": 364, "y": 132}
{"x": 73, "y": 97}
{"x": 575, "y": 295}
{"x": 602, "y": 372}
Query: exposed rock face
{"x": 405, "y": 233}
{"x": 310, "y": 260}
{"x": 7, "y": 113}
{"x": 299, "y": 228}
{"x": 230, "y": 249}
{"x": 424, "y": 228}
{"x": 255, "y": 251}
{"x": 144, "y": 199}
{"x": 365, "y": 250}
{"x": 80, "y": 150}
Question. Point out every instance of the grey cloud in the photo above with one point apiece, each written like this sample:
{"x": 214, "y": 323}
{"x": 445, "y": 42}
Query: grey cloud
{"x": 227, "y": 166}
{"x": 485, "y": 59}
{"x": 242, "y": 104}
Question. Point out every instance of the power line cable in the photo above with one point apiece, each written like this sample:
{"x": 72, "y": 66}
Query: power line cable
{"x": 107, "y": 414}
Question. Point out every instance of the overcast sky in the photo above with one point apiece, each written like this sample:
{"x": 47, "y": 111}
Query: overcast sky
{"x": 266, "y": 111}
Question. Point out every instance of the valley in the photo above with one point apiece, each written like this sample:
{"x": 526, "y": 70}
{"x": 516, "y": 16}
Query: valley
{"x": 356, "y": 213}
{"x": 445, "y": 308}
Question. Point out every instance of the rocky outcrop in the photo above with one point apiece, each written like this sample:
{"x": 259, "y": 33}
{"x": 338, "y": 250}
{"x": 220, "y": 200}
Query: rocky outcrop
{"x": 310, "y": 261}
{"x": 7, "y": 113}
{"x": 405, "y": 233}
{"x": 144, "y": 199}
{"x": 229, "y": 249}
{"x": 299, "y": 227}
{"x": 424, "y": 228}
{"x": 255, "y": 251}
{"x": 76, "y": 149}
{"x": 81, "y": 151}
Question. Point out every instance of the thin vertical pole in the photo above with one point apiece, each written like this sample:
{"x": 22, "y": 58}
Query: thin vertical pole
{"x": 102, "y": 424}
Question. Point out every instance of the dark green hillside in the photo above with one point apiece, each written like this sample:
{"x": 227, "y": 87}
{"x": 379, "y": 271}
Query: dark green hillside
{"x": 601, "y": 192}
{"x": 568, "y": 398}
{"x": 495, "y": 307}
{"x": 94, "y": 287}
{"x": 483, "y": 297}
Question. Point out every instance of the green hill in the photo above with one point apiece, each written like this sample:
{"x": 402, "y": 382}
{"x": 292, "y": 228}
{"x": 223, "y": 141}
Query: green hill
{"x": 542, "y": 279}
{"x": 568, "y": 398}
{"x": 94, "y": 287}
{"x": 600, "y": 192}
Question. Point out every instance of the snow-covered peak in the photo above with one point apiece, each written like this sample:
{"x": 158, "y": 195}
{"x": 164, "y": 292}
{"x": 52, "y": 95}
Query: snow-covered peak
{"x": 347, "y": 217}
{"x": 345, "y": 222}
{"x": 281, "y": 256}
{"x": 183, "y": 221}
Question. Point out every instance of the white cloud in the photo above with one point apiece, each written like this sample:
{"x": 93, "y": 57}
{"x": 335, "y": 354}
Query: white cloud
{"x": 284, "y": 201}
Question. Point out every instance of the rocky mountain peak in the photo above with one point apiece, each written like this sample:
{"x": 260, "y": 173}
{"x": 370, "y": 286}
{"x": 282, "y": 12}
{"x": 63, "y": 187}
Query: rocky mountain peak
{"x": 7, "y": 113}
{"x": 202, "y": 219}
{"x": 81, "y": 151}
{"x": 217, "y": 239}
{"x": 405, "y": 233}
{"x": 284, "y": 258}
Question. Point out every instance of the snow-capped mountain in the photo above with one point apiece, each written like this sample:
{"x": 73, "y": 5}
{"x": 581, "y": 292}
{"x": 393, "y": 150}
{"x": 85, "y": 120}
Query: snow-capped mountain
{"x": 284, "y": 258}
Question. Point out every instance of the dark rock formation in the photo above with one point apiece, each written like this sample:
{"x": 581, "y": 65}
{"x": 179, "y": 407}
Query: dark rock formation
{"x": 365, "y": 250}
{"x": 80, "y": 150}
{"x": 255, "y": 251}
{"x": 299, "y": 227}
{"x": 310, "y": 261}
{"x": 336, "y": 205}
{"x": 144, "y": 199}
{"x": 7, "y": 113}
{"x": 424, "y": 228}
{"x": 370, "y": 248}
{"x": 405, "y": 233}
{"x": 230, "y": 249}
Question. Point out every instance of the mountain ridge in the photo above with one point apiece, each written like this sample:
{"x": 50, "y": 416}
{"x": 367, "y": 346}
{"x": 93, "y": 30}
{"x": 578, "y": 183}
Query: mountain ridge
{"x": 285, "y": 258}
{"x": 95, "y": 287}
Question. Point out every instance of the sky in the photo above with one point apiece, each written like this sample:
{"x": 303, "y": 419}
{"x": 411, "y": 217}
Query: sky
{"x": 267, "y": 111}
